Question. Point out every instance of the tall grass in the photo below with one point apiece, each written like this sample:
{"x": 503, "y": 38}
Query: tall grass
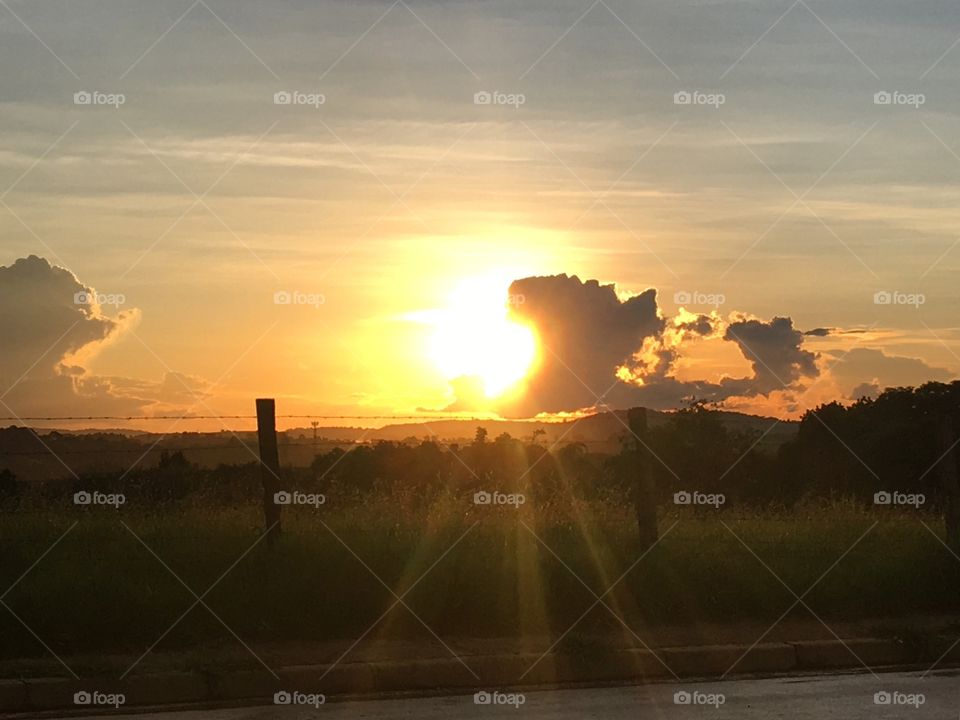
{"x": 464, "y": 570}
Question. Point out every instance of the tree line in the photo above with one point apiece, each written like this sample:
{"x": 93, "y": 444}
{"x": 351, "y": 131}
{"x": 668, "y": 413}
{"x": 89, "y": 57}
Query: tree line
{"x": 900, "y": 443}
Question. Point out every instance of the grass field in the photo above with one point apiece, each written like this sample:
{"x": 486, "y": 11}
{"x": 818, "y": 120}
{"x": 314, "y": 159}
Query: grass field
{"x": 465, "y": 570}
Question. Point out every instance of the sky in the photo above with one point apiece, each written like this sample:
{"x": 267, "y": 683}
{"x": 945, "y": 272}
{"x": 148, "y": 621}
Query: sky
{"x": 775, "y": 183}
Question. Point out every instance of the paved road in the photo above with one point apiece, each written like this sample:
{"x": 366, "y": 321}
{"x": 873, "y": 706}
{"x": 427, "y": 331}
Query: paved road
{"x": 846, "y": 697}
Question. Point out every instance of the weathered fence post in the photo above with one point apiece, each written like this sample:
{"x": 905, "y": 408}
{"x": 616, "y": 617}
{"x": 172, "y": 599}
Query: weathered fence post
{"x": 950, "y": 481}
{"x": 269, "y": 465}
{"x": 644, "y": 489}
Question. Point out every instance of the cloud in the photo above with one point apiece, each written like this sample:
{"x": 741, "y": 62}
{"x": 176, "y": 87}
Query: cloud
{"x": 865, "y": 390}
{"x": 866, "y": 371}
{"x": 51, "y": 326}
{"x": 775, "y": 350}
{"x": 586, "y": 331}
{"x": 599, "y": 342}
{"x": 44, "y": 319}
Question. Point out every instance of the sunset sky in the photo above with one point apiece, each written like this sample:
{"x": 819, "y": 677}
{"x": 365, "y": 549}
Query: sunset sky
{"x": 395, "y": 214}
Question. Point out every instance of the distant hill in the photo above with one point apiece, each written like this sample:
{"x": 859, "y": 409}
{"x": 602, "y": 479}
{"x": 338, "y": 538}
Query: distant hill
{"x": 49, "y": 454}
{"x": 606, "y": 427}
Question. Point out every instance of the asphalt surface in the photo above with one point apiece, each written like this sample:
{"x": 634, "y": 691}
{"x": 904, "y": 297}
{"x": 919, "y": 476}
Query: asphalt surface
{"x": 850, "y": 697}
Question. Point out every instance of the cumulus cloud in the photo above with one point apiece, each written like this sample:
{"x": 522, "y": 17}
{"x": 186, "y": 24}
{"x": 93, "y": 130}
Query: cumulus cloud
{"x": 46, "y": 319}
{"x": 867, "y": 371}
{"x": 51, "y": 326}
{"x": 865, "y": 390}
{"x": 776, "y": 351}
{"x": 586, "y": 332}
{"x": 596, "y": 341}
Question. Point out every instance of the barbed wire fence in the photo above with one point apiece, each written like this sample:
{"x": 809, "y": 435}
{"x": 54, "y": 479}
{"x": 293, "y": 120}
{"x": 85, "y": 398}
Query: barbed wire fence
{"x": 435, "y": 418}
{"x": 267, "y": 453}
{"x": 425, "y": 419}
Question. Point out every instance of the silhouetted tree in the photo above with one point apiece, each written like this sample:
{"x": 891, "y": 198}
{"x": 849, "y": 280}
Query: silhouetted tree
{"x": 904, "y": 440}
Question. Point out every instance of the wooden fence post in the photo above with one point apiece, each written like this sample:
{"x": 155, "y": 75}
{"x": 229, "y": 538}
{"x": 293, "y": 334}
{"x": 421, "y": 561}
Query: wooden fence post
{"x": 950, "y": 481}
{"x": 644, "y": 489}
{"x": 269, "y": 465}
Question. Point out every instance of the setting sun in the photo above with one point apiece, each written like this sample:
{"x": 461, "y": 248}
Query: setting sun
{"x": 474, "y": 336}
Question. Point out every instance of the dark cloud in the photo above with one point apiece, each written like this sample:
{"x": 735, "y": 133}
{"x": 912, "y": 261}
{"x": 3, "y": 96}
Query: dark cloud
{"x": 828, "y": 331}
{"x": 775, "y": 350}
{"x": 865, "y": 390}
{"x": 41, "y": 320}
{"x": 51, "y": 324}
{"x": 882, "y": 370}
{"x": 586, "y": 332}
{"x": 595, "y": 342}
{"x": 701, "y": 325}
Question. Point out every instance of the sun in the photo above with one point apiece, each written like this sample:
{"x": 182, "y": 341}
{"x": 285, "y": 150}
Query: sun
{"x": 475, "y": 336}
